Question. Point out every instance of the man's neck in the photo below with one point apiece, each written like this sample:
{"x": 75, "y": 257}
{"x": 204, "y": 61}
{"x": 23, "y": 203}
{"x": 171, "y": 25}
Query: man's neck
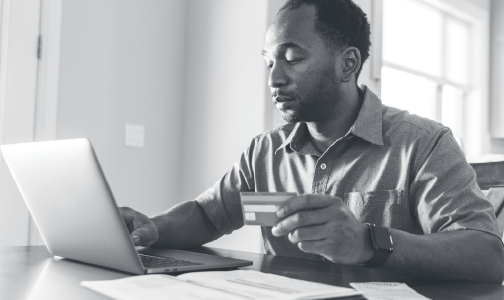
{"x": 323, "y": 135}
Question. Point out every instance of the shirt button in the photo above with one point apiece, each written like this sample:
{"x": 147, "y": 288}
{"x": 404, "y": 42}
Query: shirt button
{"x": 323, "y": 166}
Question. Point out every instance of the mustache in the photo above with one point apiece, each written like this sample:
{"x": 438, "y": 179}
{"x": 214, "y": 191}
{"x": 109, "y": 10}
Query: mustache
{"x": 278, "y": 93}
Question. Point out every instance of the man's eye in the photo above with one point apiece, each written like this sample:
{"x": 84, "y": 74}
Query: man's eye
{"x": 269, "y": 66}
{"x": 292, "y": 61}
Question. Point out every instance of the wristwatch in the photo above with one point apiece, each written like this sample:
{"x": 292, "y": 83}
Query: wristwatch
{"x": 382, "y": 243}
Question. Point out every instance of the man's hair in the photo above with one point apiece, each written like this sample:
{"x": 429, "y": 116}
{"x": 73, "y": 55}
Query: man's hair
{"x": 340, "y": 23}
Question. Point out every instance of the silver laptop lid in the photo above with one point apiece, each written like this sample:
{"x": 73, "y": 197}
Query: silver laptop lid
{"x": 71, "y": 203}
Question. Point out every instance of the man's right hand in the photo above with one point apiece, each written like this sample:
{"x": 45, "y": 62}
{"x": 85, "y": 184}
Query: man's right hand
{"x": 143, "y": 231}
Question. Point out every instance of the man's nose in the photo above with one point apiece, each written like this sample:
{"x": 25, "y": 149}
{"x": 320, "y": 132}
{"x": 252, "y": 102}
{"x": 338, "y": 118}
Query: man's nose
{"x": 277, "y": 77}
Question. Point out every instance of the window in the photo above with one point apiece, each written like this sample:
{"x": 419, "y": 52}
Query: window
{"x": 426, "y": 61}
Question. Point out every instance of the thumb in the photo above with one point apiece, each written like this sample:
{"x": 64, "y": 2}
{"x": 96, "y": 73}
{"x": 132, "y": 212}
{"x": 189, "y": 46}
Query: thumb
{"x": 143, "y": 236}
{"x": 138, "y": 236}
{"x": 136, "y": 239}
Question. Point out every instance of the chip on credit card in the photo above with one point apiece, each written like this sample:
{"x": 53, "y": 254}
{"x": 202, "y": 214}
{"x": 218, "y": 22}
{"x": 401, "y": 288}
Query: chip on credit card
{"x": 260, "y": 208}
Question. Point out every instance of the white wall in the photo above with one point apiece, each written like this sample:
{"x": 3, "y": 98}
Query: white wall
{"x": 18, "y": 81}
{"x": 224, "y": 96}
{"x": 122, "y": 62}
{"x": 223, "y": 107}
{"x": 190, "y": 71}
{"x": 484, "y": 4}
{"x": 497, "y": 75}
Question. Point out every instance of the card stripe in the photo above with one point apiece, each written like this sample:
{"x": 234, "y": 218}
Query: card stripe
{"x": 261, "y": 208}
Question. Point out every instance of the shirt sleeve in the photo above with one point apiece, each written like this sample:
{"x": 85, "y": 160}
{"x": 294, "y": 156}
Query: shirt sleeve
{"x": 445, "y": 190}
{"x": 221, "y": 202}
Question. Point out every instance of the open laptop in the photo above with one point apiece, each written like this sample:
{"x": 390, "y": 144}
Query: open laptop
{"x": 72, "y": 204}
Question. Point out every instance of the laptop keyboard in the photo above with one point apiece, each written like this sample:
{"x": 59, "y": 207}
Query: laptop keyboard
{"x": 160, "y": 262}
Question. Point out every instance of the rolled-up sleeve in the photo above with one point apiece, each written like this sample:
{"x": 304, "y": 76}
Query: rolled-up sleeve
{"x": 445, "y": 190}
{"x": 221, "y": 202}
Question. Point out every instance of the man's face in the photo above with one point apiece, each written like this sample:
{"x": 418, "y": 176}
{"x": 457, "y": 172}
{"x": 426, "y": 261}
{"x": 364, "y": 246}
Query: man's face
{"x": 303, "y": 80}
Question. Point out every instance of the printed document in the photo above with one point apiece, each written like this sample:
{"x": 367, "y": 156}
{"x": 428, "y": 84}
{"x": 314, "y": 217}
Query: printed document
{"x": 239, "y": 284}
{"x": 387, "y": 291}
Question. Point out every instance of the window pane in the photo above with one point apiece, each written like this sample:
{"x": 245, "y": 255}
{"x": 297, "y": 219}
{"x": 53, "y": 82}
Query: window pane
{"x": 457, "y": 51}
{"x": 452, "y": 105}
{"x": 412, "y": 35}
{"x": 409, "y": 92}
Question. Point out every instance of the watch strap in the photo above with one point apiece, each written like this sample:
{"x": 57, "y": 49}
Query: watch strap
{"x": 380, "y": 256}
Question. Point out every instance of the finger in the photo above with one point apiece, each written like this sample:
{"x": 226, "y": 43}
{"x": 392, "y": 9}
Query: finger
{"x": 126, "y": 212}
{"x": 144, "y": 236}
{"x": 302, "y": 219}
{"x": 128, "y": 217}
{"x": 311, "y": 246}
{"x": 306, "y": 201}
{"x": 311, "y": 233}
{"x": 136, "y": 239}
{"x": 143, "y": 231}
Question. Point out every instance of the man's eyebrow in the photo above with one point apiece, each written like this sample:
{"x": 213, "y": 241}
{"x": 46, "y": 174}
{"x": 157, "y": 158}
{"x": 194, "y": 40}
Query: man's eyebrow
{"x": 283, "y": 47}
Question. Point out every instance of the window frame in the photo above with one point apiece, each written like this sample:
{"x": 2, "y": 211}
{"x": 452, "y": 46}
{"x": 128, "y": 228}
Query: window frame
{"x": 475, "y": 98}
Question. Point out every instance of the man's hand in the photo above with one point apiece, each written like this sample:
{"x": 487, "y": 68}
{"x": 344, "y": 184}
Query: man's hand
{"x": 323, "y": 225}
{"x": 143, "y": 231}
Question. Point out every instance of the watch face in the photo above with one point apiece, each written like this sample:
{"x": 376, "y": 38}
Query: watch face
{"x": 382, "y": 239}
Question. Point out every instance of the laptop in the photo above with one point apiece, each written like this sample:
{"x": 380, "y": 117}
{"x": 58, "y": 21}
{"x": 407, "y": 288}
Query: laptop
{"x": 73, "y": 207}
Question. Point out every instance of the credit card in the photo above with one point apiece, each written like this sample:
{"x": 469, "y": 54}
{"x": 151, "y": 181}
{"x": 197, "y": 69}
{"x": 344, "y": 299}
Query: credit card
{"x": 260, "y": 208}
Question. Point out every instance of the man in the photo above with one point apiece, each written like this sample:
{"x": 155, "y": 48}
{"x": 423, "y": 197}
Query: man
{"x": 351, "y": 159}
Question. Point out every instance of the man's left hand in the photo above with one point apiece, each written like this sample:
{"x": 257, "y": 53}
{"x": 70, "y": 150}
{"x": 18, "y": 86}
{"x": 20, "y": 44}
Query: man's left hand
{"x": 324, "y": 225}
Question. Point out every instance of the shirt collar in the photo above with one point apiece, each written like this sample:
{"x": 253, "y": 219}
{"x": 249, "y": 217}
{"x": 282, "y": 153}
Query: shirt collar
{"x": 367, "y": 126}
{"x": 298, "y": 134}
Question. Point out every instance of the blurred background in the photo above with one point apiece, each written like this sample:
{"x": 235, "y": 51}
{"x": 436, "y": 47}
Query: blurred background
{"x": 171, "y": 92}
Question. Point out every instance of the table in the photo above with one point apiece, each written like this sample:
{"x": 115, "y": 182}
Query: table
{"x": 32, "y": 273}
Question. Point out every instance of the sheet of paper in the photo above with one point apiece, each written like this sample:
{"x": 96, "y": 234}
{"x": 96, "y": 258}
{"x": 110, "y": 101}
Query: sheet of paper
{"x": 259, "y": 285}
{"x": 155, "y": 287}
{"x": 387, "y": 291}
{"x": 239, "y": 284}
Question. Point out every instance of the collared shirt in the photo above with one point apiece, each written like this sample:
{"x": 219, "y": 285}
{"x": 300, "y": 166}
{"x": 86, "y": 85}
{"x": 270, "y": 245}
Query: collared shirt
{"x": 392, "y": 169}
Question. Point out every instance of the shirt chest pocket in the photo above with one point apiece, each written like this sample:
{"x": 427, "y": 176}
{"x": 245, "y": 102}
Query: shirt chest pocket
{"x": 383, "y": 208}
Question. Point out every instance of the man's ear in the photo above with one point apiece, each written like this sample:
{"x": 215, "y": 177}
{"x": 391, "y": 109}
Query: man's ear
{"x": 351, "y": 63}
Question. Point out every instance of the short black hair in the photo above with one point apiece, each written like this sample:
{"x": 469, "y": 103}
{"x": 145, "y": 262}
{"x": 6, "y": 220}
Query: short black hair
{"x": 340, "y": 23}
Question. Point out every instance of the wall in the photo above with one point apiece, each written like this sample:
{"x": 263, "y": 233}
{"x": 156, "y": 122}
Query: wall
{"x": 224, "y": 96}
{"x": 18, "y": 81}
{"x": 122, "y": 62}
{"x": 484, "y": 4}
{"x": 190, "y": 71}
{"x": 497, "y": 75}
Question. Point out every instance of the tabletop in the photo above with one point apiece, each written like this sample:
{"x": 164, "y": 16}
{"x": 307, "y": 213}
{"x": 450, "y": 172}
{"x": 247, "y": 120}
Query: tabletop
{"x": 33, "y": 273}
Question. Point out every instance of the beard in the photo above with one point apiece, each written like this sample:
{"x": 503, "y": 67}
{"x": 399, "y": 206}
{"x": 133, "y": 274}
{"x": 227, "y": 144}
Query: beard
{"x": 318, "y": 104}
